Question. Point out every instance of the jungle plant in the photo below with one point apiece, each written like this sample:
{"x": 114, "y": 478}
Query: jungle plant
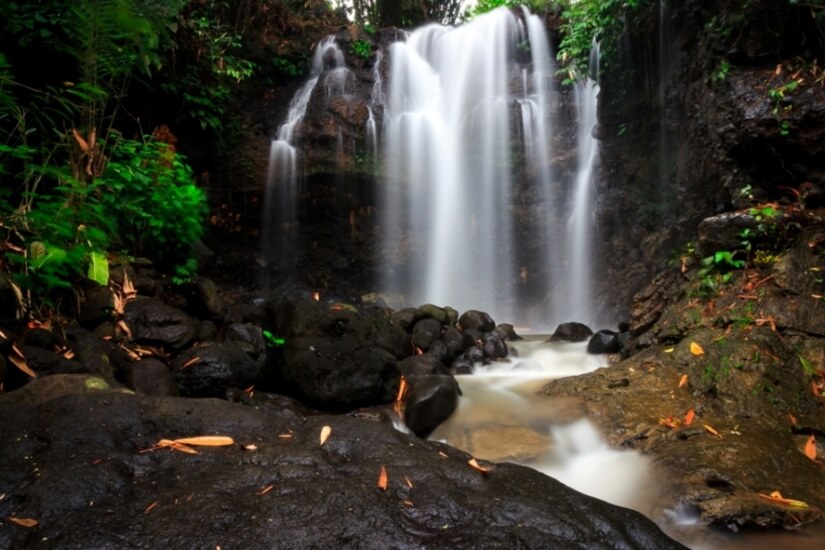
{"x": 361, "y": 48}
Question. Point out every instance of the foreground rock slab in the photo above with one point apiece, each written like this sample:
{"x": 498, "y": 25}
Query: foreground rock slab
{"x": 72, "y": 461}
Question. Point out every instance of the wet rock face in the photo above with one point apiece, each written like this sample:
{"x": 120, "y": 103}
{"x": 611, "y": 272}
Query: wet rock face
{"x": 155, "y": 322}
{"x": 288, "y": 489}
{"x": 334, "y": 359}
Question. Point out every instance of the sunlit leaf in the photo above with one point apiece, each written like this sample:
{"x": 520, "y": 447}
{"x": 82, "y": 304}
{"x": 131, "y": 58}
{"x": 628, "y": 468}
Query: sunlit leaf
{"x": 24, "y": 522}
{"x": 382, "y": 478}
{"x": 712, "y": 430}
{"x": 98, "y": 268}
{"x": 207, "y": 440}
{"x": 777, "y": 498}
{"x": 325, "y": 432}
{"x": 810, "y": 448}
{"x": 683, "y": 381}
{"x": 696, "y": 349}
{"x": 476, "y": 466}
{"x": 689, "y": 416}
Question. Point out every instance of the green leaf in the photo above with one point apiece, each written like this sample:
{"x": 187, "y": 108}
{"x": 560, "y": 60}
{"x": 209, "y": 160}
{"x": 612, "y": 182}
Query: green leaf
{"x": 98, "y": 268}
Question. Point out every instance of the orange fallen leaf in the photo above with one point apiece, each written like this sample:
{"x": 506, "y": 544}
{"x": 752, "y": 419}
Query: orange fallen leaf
{"x": 670, "y": 422}
{"x": 792, "y": 418}
{"x": 151, "y": 507}
{"x": 23, "y": 522}
{"x": 325, "y": 431}
{"x": 265, "y": 490}
{"x": 810, "y": 448}
{"x": 711, "y": 430}
{"x": 815, "y": 389}
{"x": 20, "y": 363}
{"x": 191, "y": 362}
{"x": 696, "y": 349}
{"x": 683, "y": 381}
{"x": 476, "y": 466}
{"x": 382, "y": 479}
{"x": 125, "y": 328}
{"x": 777, "y": 497}
{"x": 689, "y": 416}
{"x": 207, "y": 440}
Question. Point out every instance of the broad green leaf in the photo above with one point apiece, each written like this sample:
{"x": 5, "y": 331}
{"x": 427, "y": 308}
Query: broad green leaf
{"x": 98, "y": 268}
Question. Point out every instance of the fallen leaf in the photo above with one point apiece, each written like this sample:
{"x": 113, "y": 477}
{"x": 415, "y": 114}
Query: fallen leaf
{"x": 696, "y": 349}
{"x": 408, "y": 503}
{"x": 711, "y": 430}
{"x": 689, "y": 416}
{"x": 810, "y": 448}
{"x": 325, "y": 431}
{"x": 207, "y": 440}
{"x": 250, "y": 447}
{"x": 476, "y": 466}
{"x": 409, "y": 483}
{"x": 683, "y": 381}
{"x": 129, "y": 290}
{"x": 792, "y": 418}
{"x": 402, "y": 389}
{"x": 21, "y": 364}
{"x": 84, "y": 145}
{"x": 442, "y": 454}
{"x": 382, "y": 479}
{"x": 669, "y": 350}
{"x": 265, "y": 490}
{"x": 151, "y": 507}
{"x": 777, "y": 497}
{"x": 125, "y": 328}
{"x": 24, "y": 522}
{"x": 814, "y": 388}
{"x": 670, "y": 422}
{"x": 191, "y": 362}
{"x": 285, "y": 436}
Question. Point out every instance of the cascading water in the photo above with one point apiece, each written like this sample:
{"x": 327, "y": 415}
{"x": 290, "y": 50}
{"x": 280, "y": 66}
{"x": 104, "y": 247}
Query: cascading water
{"x": 278, "y": 237}
{"x": 448, "y": 122}
{"x": 578, "y": 282}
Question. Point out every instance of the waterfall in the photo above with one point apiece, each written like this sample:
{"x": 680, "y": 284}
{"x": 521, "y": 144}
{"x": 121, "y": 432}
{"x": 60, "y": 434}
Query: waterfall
{"x": 448, "y": 121}
{"x": 278, "y": 238}
{"x": 579, "y": 278}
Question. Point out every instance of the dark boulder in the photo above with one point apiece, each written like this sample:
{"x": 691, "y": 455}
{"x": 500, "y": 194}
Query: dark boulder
{"x": 604, "y": 341}
{"x": 506, "y": 331}
{"x": 425, "y": 332}
{"x": 210, "y": 370}
{"x": 429, "y": 311}
{"x": 43, "y": 338}
{"x": 430, "y": 401}
{"x": 456, "y": 341}
{"x": 203, "y": 299}
{"x": 494, "y": 347}
{"x": 151, "y": 377}
{"x": 571, "y": 332}
{"x": 421, "y": 364}
{"x": 248, "y": 337}
{"x": 477, "y": 320}
{"x": 405, "y": 318}
{"x": 154, "y": 322}
{"x": 461, "y": 366}
{"x": 333, "y": 359}
{"x": 92, "y": 488}
{"x": 438, "y": 349}
{"x": 96, "y": 307}
{"x": 472, "y": 355}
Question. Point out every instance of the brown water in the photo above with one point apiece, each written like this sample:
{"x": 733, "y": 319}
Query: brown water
{"x": 501, "y": 418}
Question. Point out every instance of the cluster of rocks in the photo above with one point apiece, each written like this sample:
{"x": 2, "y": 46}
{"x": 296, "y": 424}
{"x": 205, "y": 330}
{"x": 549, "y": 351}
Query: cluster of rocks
{"x": 604, "y": 341}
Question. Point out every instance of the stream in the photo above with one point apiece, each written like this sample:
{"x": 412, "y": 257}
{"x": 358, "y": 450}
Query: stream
{"x": 501, "y": 418}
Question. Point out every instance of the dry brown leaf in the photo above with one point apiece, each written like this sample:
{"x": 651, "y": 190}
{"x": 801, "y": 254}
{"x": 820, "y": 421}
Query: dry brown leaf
{"x": 20, "y": 363}
{"x": 207, "y": 440}
{"x": 402, "y": 389}
{"x": 442, "y": 454}
{"x": 815, "y": 389}
{"x": 24, "y": 522}
{"x": 792, "y": 418}
{"x": 191, "y": 362}
{"x": 689, "y": 416}
{"x": 265, "y": 490}
{"x": 683, "y": 381}
{"x": 696, "y": 349}
{"x": 382, "y": 478}
{"x": 125, "y": 328}
{"x": 151, "y": 507}
{"x": 129, "y": 291}
{"x": 409, "y": 483}
{"x": 408, "y": 503}
{"x": 117, "y": 303}
{"x": 711, "y": 430}
{"x": 810, "y": 448}
{"x": 478, "y": 467}
{"x": 84, "y": 146}
{"x": 325, "y": 431}
{"x": 777, "y": 497}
